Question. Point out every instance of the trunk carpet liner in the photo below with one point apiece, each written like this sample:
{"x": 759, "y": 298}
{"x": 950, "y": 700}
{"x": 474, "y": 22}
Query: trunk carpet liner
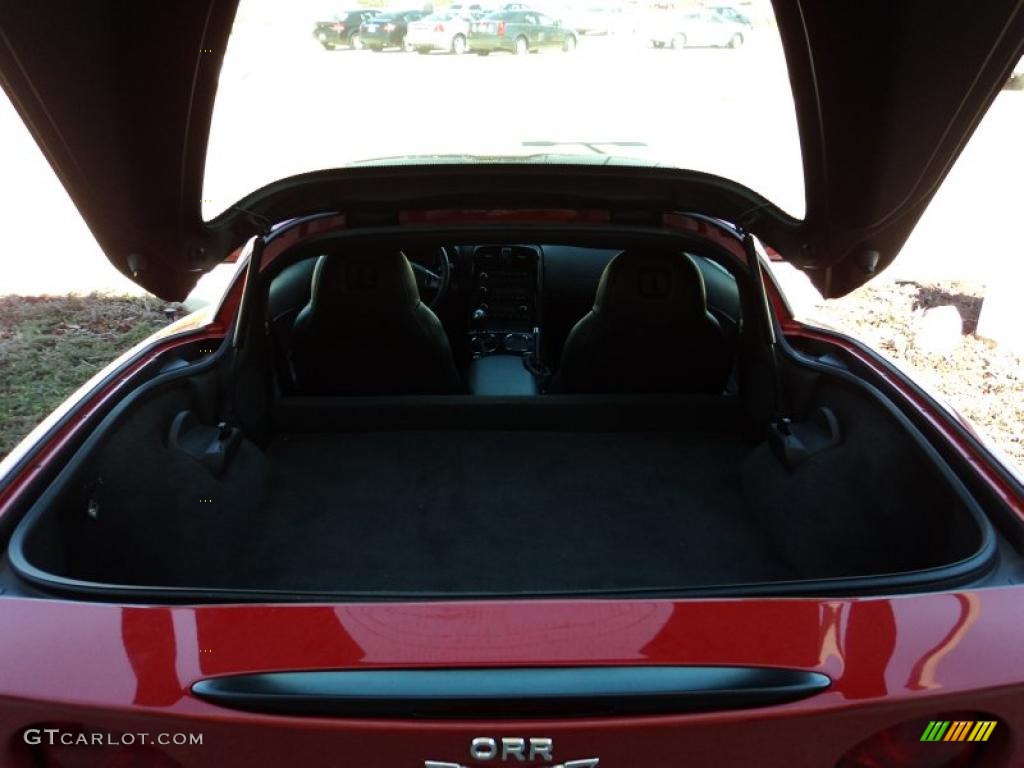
{"x": 382, "y": 509}
{"x": 503, "y": 512}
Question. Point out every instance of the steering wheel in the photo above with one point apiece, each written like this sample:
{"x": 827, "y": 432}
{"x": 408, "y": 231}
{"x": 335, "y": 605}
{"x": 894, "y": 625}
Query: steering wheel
{"x": 433, "y": 283}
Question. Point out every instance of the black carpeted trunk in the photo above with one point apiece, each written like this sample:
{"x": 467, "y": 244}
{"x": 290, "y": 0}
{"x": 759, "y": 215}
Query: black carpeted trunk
{"x": 506, "y": 512}
{"x": 471, "y": 496}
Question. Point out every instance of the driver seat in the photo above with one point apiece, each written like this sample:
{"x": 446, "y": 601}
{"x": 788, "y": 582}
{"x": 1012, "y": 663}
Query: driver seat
{"x": 366, "y": 332}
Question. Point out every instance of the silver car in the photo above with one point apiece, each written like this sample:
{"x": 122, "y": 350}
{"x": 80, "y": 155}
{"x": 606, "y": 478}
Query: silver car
{"x": 444, "y": 31}
{"x": 696, "y": 29}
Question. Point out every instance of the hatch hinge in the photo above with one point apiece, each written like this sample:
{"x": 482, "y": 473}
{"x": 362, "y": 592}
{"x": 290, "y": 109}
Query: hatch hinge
{"x": 868, "y": 260}
{"x": 137, "y": 262}
{"x": 196, "y": 258}
{"x": 262, "y": 224}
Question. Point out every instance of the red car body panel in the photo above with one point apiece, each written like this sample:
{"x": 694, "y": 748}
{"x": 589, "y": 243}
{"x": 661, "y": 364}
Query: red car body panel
{"x": 128, "y": 669}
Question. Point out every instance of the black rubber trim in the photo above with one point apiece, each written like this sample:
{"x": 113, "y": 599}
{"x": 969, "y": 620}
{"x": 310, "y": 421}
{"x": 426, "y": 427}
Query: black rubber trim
{"x": 510, "y": 692}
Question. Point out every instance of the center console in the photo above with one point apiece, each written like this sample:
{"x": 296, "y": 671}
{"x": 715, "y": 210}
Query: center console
{"x": 501, "y": 375}
{"x": 505, "y": 309}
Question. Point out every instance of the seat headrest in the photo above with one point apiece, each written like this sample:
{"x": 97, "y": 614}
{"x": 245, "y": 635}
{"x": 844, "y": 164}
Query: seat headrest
{"x": 363, "y": 283}
{"x": 652, "y": 285}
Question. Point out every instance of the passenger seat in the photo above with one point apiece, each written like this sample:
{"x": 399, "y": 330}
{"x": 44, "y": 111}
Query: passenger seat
{"x": 649, "y": 331}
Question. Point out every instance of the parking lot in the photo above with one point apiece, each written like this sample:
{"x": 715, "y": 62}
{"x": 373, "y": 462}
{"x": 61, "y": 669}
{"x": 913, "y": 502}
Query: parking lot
{"x": 286, "y": 105}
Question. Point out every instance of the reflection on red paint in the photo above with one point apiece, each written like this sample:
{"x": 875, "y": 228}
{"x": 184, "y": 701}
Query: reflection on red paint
{"x": 239, "y": 638}
{"x": 55, "y": 667}
{"x": 925, "y": 671}
{"x": 148, "y": 635}
{"x": 869, "y": 641}
{"x": 735, "y": 631}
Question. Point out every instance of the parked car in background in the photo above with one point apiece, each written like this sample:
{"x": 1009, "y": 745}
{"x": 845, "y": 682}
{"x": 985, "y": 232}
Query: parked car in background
{"x": 704, "y": 28}
{"x": 471, "y": 9}
{"x": 731, "y": 14}
{"x": 343, "y": 29}
{"x": 387, "y": 30}
{"x": 594, "y": 19}
{"x": 445, "y": 31}
{"x": 519, "y": 32}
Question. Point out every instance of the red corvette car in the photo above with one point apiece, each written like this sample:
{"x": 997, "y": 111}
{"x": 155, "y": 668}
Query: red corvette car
{"x": 507, "y": 463}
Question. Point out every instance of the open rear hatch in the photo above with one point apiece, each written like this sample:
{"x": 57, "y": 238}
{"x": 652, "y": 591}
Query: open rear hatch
{"x": 883, "y": 109}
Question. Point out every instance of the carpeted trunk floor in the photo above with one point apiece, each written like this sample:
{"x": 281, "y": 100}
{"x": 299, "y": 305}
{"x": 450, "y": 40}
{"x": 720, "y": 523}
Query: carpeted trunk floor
{"x": 503, "y": 512}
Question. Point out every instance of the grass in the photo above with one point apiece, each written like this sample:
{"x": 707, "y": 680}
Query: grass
{"x": 49, "y": 346}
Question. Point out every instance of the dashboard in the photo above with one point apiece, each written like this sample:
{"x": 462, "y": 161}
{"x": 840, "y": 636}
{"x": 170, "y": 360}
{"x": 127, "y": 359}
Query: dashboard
{"x": 505, "y": 291}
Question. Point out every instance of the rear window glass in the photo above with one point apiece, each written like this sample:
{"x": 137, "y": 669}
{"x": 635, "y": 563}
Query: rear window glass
{"x": 629, "y": 83}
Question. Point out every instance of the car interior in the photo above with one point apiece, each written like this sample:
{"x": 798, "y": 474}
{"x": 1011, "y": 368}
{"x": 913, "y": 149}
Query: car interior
{"x": 514, "y": 416}
{"x": 370, "y": 322}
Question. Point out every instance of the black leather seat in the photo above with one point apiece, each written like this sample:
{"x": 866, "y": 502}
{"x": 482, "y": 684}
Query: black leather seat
{"x": 365, "y": 331}
{"x": 649, "y": 331}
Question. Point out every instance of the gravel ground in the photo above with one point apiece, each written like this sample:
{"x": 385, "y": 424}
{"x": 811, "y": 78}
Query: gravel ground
{"x": 982, "y": 381}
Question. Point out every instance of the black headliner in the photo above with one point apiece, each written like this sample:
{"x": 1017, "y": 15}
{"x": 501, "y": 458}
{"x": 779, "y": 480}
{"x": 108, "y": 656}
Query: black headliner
{"x": 887, "y": 94}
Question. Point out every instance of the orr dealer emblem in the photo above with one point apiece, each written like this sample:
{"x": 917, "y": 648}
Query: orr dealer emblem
{"x": 535, "y": 751}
